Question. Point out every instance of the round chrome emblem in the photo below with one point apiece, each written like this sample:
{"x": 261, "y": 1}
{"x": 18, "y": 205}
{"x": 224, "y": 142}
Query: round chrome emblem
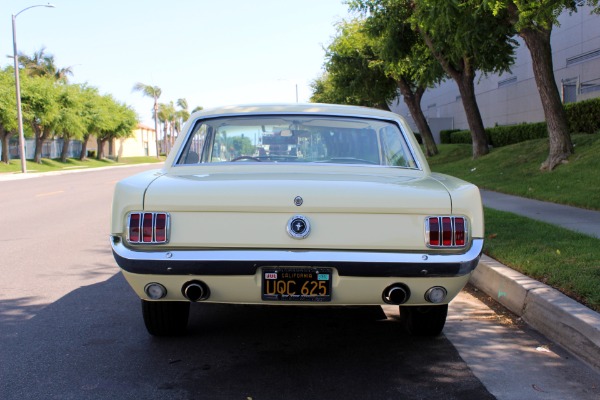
{"x": 298, "y": 201}
{"x": 298, "y": 227}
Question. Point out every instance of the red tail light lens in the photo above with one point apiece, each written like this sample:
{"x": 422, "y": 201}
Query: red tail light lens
{"x": 134, "y": 227}
{"x": 161, "y": 228}
{"x": 459, "y": 231}
{"x": 434, "y": 231}
{"x": 148, "y": 228}
{"x": 446, "y": 231}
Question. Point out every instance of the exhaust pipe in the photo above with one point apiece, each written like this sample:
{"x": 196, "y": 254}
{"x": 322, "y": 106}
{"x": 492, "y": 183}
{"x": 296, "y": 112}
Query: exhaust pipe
{"x": 195, "y": 291}
{"x": 398, "y": 293}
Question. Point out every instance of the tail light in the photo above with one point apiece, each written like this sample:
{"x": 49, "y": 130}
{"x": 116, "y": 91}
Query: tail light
{"x": 446, "y": 231}
{"x": 148, "y": 227}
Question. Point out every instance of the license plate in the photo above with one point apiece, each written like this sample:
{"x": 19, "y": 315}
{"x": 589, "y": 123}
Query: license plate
{"x": 296, "y": 284}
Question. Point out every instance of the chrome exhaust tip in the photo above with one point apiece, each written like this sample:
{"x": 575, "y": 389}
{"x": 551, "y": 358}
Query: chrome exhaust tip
{"x": 398, "y": 293}
{"x": 195, "y": 291}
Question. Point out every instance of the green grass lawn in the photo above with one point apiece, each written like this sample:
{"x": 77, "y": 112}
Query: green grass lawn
{"x": 515, "y": 170}
{"x": 558, "y": 257}
{"x": 48, "y": 165}
{"x": 563, "y": 259}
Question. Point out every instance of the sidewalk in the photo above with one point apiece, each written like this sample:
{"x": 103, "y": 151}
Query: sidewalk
{"x": 558, "y": 317}
{"x": 10, "y": 176}
{"x": 573, "y": 218}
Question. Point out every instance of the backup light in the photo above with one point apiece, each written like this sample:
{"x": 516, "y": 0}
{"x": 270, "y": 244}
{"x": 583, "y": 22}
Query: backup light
{"x": 436, "y": 294}
{"x": 446, "y": 231}
{"x": 148, "y": 227}
{"x": 155, "y": 291}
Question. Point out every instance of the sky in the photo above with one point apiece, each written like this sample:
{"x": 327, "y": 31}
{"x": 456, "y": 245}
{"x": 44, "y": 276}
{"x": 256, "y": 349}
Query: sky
{"x": 211, "y": 53}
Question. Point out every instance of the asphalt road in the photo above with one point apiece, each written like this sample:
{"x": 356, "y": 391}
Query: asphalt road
{"x": 71, "y": 328}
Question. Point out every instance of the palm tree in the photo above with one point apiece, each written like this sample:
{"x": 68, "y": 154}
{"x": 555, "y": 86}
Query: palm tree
{"x": 42, "y": 64}
{"x": 154, "y": 92}
{"x": 167, "y": 115}
{"x": 182, "y": 114}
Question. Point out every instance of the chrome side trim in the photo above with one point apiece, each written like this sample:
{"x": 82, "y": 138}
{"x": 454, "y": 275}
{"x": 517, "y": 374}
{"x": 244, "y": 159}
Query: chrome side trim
{"x": 167, "y": 261}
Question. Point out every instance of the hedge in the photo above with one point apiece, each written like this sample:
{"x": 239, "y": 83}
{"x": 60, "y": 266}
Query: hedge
{"x": 582, "y": 117}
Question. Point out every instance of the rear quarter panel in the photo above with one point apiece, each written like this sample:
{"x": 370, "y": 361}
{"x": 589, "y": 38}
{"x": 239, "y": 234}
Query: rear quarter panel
{"x": 466, "y": 200}
{"x": 129, "y": 196}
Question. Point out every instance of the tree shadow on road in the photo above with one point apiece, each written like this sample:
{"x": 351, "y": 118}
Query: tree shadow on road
{"x": 92, "y": 344}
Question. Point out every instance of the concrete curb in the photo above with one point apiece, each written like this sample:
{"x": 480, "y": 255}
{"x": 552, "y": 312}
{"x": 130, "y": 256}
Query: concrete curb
{"x": 556, "y": 316}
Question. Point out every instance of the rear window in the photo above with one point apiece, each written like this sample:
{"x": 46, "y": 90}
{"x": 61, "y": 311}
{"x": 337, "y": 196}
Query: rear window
{"x": 297, "y": 139}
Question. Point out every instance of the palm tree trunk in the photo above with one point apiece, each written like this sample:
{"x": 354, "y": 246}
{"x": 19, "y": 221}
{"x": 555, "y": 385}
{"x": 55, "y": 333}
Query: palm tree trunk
{"x": 156, "y": 125}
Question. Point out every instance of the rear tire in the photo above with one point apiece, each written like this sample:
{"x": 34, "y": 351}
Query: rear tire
{"x": 166, "y": 318}
{"x": 423, "y": 320}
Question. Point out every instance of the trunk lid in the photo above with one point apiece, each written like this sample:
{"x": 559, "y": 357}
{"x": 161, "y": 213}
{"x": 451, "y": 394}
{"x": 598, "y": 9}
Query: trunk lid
{"x": 356, "y": 209}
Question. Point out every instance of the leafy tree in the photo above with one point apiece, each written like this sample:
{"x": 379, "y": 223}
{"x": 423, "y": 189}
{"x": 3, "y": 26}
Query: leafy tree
{"x": 95, "y": 115}
{"x": 533, "y": 20}
{"x": 404, "y": 57}
{"x": 324, "y": 91}
{"x": 120, "y": 124}
{"x": 465, "y": 39}
{"x": 153, "y": 92}
{"x": 8, "y": 111}
{"x": 197, "y": 108}
{"x": 353, "y": 71}
{"x": 40, "y": 109}
{"x": 72, "y": 118}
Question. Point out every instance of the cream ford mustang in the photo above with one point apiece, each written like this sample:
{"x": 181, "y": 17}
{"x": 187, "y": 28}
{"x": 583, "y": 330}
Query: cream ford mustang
{"x": 313, "y": 204}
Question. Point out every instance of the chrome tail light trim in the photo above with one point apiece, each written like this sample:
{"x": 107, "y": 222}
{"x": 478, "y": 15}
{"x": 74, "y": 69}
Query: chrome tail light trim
{"x": 148, "y": 227}
{"x": 446, "y": 232}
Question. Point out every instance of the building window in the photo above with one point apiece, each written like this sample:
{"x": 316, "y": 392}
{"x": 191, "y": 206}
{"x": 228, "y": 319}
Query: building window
{"x": 507, "y": 81}
{"x": 583, "y": 57}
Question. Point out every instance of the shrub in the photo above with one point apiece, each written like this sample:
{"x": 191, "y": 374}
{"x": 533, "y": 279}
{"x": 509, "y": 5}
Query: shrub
{"x": 505, "y": 135}
{"x": 446, "y": 135}
{"x": 583, "y": 116}
{"x": 462, "y": 137}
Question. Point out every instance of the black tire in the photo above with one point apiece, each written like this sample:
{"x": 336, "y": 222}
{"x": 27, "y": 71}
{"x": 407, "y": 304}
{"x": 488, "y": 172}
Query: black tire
{"x": 166, "y": 318}
{"x": 423, "y": 320}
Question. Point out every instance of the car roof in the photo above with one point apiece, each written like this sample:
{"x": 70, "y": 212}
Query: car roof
{"x": 317, "y": 108}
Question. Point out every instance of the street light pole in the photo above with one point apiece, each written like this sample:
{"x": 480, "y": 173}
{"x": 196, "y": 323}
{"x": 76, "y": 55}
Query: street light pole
{"x": 18, "y": 86}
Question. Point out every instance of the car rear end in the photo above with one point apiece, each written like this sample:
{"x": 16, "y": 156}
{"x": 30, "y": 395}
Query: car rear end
{"x": 249, "y": 230}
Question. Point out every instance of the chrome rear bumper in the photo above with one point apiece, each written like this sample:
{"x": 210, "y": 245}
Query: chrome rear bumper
{"x": 246, "y": 262}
